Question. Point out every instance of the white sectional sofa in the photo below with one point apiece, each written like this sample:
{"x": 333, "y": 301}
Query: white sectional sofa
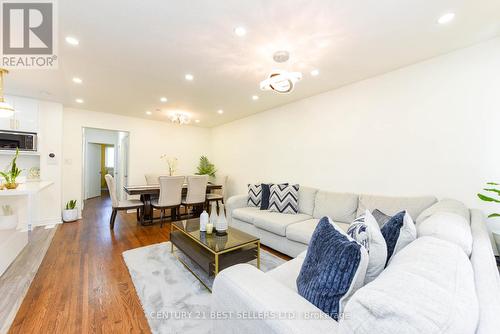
{"x": 430, "y": 286}
{"x": 290, "y": 234}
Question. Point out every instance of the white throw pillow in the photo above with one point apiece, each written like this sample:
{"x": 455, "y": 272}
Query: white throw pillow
{"x": 366, "y": 231}
{"x": 448, "y": 226}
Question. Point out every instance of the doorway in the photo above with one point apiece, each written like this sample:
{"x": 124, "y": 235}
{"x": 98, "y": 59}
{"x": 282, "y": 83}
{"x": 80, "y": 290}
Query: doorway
{"x": 105, "y": 152}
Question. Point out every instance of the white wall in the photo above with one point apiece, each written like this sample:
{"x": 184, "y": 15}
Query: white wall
{"x": 148, "y": 141}
{"x": 50, "y": 141}
{"x": 430, "y": 128}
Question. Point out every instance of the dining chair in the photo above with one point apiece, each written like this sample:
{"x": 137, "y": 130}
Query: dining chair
{"x": 196, "y": 192}
{"x": 217, "y": 195}
{"x": 118, "y": 205}
{"x": 170, "y": 196}
{"x": 152, "y": 179}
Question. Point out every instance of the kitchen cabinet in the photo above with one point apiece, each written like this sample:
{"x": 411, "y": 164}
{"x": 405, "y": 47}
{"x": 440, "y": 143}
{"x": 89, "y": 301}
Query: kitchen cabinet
{"x": 25, "y": 118}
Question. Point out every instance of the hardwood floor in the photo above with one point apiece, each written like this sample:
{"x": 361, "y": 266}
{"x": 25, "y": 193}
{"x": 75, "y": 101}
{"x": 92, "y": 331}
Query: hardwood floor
{"x": 83, "y": 285}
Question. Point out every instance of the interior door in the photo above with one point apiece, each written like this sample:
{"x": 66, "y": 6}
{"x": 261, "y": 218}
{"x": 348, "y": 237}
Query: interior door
{"x": 93, "y": 171}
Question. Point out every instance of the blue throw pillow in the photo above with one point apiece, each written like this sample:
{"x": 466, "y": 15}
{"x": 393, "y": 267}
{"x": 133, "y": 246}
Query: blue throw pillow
{"x": 333, "y": 269}
{"x": 398, "y": 232}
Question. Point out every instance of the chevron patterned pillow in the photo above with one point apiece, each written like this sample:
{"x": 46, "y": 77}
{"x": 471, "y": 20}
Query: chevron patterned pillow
{"x": 284, "y": 198}
{"x": 254, "y": 195}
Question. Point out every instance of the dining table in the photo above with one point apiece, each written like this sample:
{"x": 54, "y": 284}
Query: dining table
{"x": 146, "y": 192}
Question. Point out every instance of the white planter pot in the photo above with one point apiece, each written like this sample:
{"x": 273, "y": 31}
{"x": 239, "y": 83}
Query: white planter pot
{"x": 8, "y": 222}
{"x": 70, "y": 215}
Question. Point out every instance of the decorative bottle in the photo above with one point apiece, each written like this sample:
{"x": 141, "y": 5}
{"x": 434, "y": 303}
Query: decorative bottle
{"x": 203, "y": 221}
{"x": 213, "y": 214}
{"x": 221, "y": 226}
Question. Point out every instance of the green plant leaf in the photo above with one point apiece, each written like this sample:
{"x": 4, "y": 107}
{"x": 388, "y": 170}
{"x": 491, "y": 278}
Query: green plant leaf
{"x": 493, "y": 184}
{"x": 492, "y": 190}
{"x": 494, "y": 215}
{"x": 487, "y": 199}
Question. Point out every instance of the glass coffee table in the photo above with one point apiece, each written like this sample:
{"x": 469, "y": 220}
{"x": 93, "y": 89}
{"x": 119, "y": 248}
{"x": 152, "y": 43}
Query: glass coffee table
{"x": 211, "y": 252}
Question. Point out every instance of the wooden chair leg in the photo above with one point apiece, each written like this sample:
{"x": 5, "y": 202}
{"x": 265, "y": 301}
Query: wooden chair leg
{"x": 161, "y": 217}
{"x": 112, "y": 219}
{"x": 138, "y": 214}
{"x": 218, "y": 210}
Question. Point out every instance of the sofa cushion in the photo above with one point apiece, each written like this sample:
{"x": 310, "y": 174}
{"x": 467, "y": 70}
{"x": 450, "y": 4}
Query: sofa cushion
{"x": 266, "y": 193}
{"x": 398, "y": 232}
{"x": 303, "y": 231}
{"x": 284, "y": 199}
{"x": 365, "y": 230}
{"x": 427, "y": 288}
{"x": 333, "y": 269}
{"x": 392, "y": 205}
{"x": 445, "y": 205}
{"x": 246, "y": 214}
{"x": 341, "y": 207}
{"x": 254, "y": 195}
{"x": 276, "y": 222}
{"x": 447, "y": 226}
{"x": 307, "y": 196}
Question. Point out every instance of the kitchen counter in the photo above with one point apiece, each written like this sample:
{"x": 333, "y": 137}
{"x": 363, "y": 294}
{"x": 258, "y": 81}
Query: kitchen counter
{"x": 27, "y": 188}
{"x": 23, "y": 200}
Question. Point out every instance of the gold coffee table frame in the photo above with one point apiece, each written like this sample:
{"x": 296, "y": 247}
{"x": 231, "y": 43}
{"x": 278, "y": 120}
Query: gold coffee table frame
{"x": 216, "y": 254}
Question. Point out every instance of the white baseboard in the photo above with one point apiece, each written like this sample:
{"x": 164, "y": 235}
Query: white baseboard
{"x": 50, "y": 221}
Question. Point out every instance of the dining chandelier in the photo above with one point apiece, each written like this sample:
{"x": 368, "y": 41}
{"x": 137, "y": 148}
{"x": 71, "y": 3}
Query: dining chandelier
{"x": 179, "y": 118}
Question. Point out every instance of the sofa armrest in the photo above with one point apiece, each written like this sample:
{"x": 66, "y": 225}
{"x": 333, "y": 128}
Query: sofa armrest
{"x": 235, "y": 202}
{"x": 246, "y": 300}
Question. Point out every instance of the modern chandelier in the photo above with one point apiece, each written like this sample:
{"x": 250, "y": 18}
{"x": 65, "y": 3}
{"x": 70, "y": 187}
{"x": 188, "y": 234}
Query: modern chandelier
{"x": 281, "y": 81}
{"x": 6, "y": 110}
{"x": 179, "y": 117}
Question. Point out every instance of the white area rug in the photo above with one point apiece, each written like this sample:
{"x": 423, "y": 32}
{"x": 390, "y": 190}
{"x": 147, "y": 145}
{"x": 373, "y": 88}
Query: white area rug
{"x": 173, "y": 300}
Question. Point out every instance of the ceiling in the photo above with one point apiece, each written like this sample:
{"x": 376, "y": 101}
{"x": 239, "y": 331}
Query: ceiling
{"x": 132, "y": 52}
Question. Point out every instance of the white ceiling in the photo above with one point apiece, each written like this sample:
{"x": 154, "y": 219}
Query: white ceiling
{"x": 133, "y": 52}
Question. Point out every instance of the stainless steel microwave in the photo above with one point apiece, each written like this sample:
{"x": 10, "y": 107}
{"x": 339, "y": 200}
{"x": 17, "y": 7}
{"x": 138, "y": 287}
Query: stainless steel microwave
{"x": 24, "y": 141}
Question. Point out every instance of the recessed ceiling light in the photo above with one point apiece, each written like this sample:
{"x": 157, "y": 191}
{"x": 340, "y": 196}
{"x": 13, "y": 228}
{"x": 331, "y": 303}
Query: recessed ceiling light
{"x": 446, "y": 18}
{"x": 197, "y": 121}
{"x": 240, "y": 31}
{"x": 189, "y": 77}
{"x": 72, "y": 40}
{"x": 255, "y": 97}
{"x": 163, "y": 99}
{"x": 149, "y": 113}
{"x": 315, "y": 72}
{"x": 77, "y": 80}
{"x": 79, "y": 101}
{"x": 220, "y": 111}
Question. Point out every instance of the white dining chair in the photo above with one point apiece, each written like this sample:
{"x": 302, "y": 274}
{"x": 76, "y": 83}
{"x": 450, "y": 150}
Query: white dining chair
{"x": 196, "y": 192}
{"x": 170, "y": 196}
{"x": 118, "y": 205}
{"x": 152, "y": 179}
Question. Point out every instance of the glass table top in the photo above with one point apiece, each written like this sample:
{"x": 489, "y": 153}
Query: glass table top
{"x": 234, "y": 237}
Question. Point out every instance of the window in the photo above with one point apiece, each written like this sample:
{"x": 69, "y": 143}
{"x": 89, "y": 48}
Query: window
{"x": 109, "y": 159}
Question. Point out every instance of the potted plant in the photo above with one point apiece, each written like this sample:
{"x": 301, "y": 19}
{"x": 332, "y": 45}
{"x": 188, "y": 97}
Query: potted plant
{"x": 495, "y": 198}
{"x": 206, "y": 167}
{"x": 11, "y": 173}
{"x": 171, "y": 162}
{"x": 70, "y": 213}
{"x": 8, "y": 220}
